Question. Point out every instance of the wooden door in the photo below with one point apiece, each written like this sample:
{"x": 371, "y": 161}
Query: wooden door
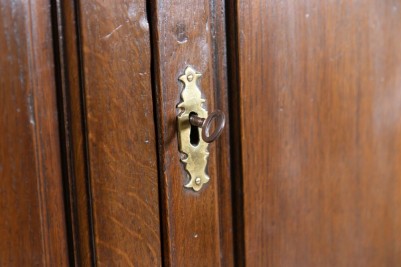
{"x": 118, "y": 68}
{"x": 316, "y": 87}
{"x": 306, "y": 173}
{"x": 90, "y": 166}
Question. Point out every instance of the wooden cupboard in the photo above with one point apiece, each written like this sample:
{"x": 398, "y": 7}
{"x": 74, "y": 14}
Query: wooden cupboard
{"x": 307, "y": 171}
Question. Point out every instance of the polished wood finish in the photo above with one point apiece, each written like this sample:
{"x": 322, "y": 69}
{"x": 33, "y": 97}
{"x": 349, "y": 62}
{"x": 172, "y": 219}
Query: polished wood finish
{"x": 320, "y": 114}
{"x": 313, "y": 152}
{"x": 197, "y": 228}
{"x": 68, "y": 65}
{"x": 120, "y": 133}
{"x": 32, "y": 224}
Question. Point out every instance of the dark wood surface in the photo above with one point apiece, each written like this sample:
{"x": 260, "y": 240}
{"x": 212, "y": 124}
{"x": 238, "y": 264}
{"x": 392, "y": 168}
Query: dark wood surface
{"x": 119, "y": 123}
{"x": 32, "y": 224}
{"x": 68, "y": 69}
{"x": 320, "y": 109}
{"x": 197, "y": 228}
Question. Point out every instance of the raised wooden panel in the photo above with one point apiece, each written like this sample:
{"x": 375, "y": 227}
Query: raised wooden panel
{"x": 32, "y": 224}
{"x": 114, "y": 44}
{"x": 319, "y": 101}
{"x": 197, "y": 226}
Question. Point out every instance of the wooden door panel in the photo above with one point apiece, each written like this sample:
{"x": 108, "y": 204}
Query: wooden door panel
{"x": 319, "y": 110}
{"x": 105, "y": 58}
{"x": 197, "y": 228}
{"x": 32, "y": 221}
{"x": 121, "y": 133}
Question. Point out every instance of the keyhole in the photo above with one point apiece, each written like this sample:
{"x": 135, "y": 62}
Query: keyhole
{"x": 194, "y": 134}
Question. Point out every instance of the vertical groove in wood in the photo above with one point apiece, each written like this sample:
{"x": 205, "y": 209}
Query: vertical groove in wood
{"x": 72, "y": 131}
{"x": 235, "y": 133}
{"x": 223, "y": 148}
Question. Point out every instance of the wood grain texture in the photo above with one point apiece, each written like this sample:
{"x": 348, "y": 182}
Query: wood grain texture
{"x": 197, "y": 226}
{"x": 32, "y": 224}
{"x": 68, "y": 72}
{"x": 115, "y": 44}
{"x": 320, "y": 108}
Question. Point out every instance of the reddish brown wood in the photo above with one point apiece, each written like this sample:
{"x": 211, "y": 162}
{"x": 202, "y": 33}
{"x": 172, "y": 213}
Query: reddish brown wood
{"x": 32, "y": 224}
{"x": 320, "y": 108}
{"x": 73, "y": 132}
{"x": 197, "y": 229}
{"x": 122, "y": 163}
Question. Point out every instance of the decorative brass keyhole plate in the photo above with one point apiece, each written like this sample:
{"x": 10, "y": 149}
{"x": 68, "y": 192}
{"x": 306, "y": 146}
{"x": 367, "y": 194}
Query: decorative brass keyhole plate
{"x": 194, "y": 155}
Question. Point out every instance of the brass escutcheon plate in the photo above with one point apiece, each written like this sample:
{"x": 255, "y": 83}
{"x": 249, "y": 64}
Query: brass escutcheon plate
{"x": 194, "y": 156}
